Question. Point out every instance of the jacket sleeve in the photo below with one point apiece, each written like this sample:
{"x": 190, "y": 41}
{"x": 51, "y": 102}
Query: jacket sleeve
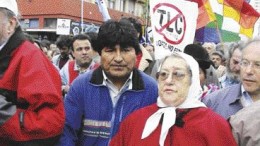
{"x": 39, "y": 85}
{"x": 7, "y": 109}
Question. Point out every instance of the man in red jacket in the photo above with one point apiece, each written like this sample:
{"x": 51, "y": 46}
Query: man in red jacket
{"x": 31, "y": 107}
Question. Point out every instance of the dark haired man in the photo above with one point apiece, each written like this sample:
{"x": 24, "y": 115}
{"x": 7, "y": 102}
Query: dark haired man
{"x": 83, "y": 52}
{"x": 63, "y": 43}
{"x": 98, "y": 101}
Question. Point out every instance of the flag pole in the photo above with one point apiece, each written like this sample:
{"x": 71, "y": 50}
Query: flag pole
{"x": 82, "y": 15}
{"x": 146, "y": 21}
{"x": 216, "y": 23}
{"x": 218, "y": 32}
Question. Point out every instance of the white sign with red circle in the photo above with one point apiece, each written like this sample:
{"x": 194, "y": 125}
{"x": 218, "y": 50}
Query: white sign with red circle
{"x": 173, "y": 25}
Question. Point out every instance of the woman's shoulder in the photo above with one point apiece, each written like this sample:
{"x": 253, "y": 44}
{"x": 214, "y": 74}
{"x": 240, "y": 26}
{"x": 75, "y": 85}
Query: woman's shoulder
{"x": 205, "y": 116}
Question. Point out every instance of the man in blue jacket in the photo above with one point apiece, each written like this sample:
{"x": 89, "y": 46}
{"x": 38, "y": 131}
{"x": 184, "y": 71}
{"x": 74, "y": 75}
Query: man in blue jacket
{"x": 99, "y": 100}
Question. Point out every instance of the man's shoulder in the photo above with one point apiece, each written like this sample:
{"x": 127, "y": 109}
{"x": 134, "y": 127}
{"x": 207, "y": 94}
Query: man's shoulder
{"x": 228, "y": 92}
{"x": 28, "y": 48}
{"x": 147, "y": 79}
{"x": 55, "y": 57}
{"x": 225, "y": 91}
{"x": 249, "y": 111}
{"x": 28, "y": 52}
{"x": 84, "y": 78}
{"x": 222, "y": 78}
{"x": 246, "y": 120}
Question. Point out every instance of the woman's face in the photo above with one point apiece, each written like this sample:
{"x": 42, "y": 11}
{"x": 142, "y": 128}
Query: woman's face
{"x": 174, "y": 81}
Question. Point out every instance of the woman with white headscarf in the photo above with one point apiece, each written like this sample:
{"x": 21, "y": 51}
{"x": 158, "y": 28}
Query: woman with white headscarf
{"x": 178, "y": 118}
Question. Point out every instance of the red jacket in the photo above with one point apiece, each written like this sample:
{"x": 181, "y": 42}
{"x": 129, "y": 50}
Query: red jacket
{"x": 37, "y": 85}
{"x": 200, "y": 127}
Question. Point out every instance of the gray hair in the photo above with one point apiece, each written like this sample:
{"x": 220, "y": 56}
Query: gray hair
{"x": 9, "y": 14}
{"x": 234, "y": 46}
{"x": 251, "y": 42}
{"x": 173, "y": 55}
{"x": 231, "y": 49}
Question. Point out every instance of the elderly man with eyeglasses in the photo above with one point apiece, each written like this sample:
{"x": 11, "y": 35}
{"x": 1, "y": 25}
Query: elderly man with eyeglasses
{"x": 230, "y": 100}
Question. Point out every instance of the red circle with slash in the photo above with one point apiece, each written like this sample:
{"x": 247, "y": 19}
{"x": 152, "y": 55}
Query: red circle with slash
{"x": 179, "y": 14}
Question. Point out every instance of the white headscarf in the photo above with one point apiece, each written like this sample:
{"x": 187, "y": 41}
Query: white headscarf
{"x": 169, "y": 118}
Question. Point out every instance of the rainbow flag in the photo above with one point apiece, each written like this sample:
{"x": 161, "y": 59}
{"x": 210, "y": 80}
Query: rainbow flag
{"x": 233, "y": 18}
{"x": 206, "y": 14}
{"x": 239, "y": 17}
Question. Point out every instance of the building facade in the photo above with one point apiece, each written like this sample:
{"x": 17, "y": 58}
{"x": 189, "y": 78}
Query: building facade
{"x": 41, "y": 18}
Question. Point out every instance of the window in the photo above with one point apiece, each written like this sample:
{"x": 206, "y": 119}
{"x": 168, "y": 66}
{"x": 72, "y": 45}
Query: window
{"x": 111, "y": 4}
{"x": 122, "y": 5}
{"x": 50, "y": 23}
{"x": 34, "y": 23}
{"x": 30, "y": 23}
{"x": 24, "y": 23}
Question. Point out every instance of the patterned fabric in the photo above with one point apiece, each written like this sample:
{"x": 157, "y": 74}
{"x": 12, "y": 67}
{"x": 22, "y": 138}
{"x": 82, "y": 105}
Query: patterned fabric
{"x": 209, "y": 89}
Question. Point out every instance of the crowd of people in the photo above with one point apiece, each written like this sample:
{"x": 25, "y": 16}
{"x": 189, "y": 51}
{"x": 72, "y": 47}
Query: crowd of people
{"x": 106, "y": 88}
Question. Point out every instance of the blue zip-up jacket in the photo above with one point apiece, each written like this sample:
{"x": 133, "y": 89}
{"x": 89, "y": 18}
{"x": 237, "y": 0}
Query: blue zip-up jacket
{"x": 91, "y": 119}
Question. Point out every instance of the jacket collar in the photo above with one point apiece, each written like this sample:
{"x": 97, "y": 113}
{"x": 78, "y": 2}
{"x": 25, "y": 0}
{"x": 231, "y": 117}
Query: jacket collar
{"x": 236, "y": 93}
{"x": 137, "y": 80}
{"x": 12, "y": 44}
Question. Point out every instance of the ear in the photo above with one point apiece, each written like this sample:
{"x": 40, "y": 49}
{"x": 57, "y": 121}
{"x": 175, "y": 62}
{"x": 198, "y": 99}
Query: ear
{"x": 72, "y": 52}
{"x": 12, "y": 25}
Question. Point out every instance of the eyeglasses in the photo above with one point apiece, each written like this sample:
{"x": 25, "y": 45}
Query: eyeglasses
{"x": 254, "y": 64}
{"x": 178, "y": 75}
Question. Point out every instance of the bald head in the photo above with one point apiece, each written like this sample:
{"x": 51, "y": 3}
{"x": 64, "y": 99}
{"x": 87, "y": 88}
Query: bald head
{"x": 253, "y": 45}
{"x": 250, "y": 68}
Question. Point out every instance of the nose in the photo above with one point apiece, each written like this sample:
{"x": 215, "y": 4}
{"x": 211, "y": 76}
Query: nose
{"x": 84, "y": 51}
{"x": 169, "y": 79}
{"x": 118, "y": 57}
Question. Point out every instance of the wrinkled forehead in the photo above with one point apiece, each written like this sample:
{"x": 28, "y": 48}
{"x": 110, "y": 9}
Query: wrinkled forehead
{"x": 252, "y": 51}
{"x": 253, "y": 46}
{"x": 174, "y": 63}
